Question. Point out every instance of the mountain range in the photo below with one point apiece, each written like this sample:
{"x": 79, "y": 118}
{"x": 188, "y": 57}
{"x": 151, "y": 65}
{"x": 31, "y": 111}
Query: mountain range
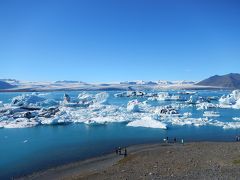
{"x": 5, "y": 85}
{"x": 231, "y": 81}
{"x": 228, "y": 81}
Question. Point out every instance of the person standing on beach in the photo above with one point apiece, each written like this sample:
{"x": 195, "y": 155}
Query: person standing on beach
{"x": 237, "y": 138}
{"x": 182, "y": 142}
{"x": 175, "y": 140}
{"x": 119, "y": 150}
{"x": 125, "y": 152}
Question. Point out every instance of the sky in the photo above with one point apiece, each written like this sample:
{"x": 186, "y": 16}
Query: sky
{"x": 118, "y": 40}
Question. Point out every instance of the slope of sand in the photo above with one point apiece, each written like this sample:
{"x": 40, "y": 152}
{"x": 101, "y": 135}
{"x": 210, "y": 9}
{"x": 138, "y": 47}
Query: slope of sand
{"x": 203, "y": 160}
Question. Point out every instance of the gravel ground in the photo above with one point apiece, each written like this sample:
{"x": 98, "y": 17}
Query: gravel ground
{"x": 205, "y": 160}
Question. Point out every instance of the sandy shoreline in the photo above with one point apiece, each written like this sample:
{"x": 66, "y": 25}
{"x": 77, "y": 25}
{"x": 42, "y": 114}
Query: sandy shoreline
{"x": 200, "y": 160}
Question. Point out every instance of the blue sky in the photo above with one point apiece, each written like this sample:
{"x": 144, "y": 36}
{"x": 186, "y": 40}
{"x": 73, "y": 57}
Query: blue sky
{"x": 114, "y": 40}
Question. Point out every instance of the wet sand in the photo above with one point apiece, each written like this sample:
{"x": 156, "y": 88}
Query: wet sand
{"x": 200, "y": 160}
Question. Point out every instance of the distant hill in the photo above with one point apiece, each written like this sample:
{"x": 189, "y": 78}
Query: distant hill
{"x": 227, "y": 81}
{"x": 5, "y": 85}
{"x": 70, "y": 82}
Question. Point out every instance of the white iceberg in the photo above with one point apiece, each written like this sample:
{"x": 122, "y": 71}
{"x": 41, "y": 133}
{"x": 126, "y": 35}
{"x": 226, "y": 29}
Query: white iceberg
{"x": 181, "y": 121}
{"x": 101, "y": 98}
{"x": 231, "y": 100}
{"x": 236, "y": 118}
{"x": 147, "y": 122}
{"x": 231, "y": 125}
{"x": 187, "y": 114}
{"x": 205, "y": 105}
{"x": 19, "y": 123}
{"x": 133, "y": 106}
{"x": 27, "y": 99}
{"x": 1, "y": 104}
{"x": 211, "y": 114}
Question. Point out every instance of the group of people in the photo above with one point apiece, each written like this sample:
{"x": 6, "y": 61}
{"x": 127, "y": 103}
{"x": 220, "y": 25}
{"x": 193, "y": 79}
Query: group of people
{"x": 119, "y": 151}
{"x": 166, "y": 140}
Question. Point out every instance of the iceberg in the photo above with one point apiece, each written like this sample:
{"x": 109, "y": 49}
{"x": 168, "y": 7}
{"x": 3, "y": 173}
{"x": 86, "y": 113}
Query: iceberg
{"x": 192, "y": 100}
{"x": 85, "y": 97}
{"x": 232, "y": 99}
{"x": 147, "y": 122}
{"x": 231, "y": 125}
{"x": 211, "y": 114}
{"x": 236, "y": 118}
{"x": 1, "y": 104}
{"x": 53, "y": 121}
{"x": 205, "y": 105}
{"x": 237, "y": 104}
{"x": 187, "y": 114}
{"x": 133, "y": 106}
{"x": 19, "y": 123}
{"x": 166, "y": 111}
{"x": 189, "y": 121}
{"x": 101, "y": 98}
{"x": 27, "y": 99}
{"x": 130, "y": 94}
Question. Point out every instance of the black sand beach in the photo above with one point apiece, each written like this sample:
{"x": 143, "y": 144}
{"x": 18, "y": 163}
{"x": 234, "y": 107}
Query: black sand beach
{"x": 200, "y": 160}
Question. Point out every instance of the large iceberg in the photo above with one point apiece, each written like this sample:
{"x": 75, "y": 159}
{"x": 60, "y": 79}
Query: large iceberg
{"x": 148, "y": 122}
{"x": 232, "y": 100}
{"x": 27, "y": 99}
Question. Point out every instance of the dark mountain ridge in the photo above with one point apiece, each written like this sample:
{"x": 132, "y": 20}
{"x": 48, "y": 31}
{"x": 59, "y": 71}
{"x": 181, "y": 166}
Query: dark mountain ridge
{"x": 231, "y": 81}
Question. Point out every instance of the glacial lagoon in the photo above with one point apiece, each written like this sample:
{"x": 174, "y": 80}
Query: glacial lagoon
{"x": 46, "y": 129}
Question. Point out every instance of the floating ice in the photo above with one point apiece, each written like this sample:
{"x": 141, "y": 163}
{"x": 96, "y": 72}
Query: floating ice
{"x": 231, "y": 125}
{"x": 192, "y": 100}
{"x": 101, "y": 98}
{"x": 130, "y": 94}
{"x": 85, "y": 97}
{"x": 166, "y": 111}
{"x": 53, "y": 121}
{"x": 231, "y": 100}
{"x": 1, "y": 104}
{"x": 205, "y": 105}
{"x": 27, "y": 99}
{"x": 133, "y": 106}
{"x": 189, "y": 121}
{"x": 211, "y": 114}
{"x": 236, "y": 118}
{"x": 19, "y": 123}
{"x": 237, "y": 104}
{"x": 148, "y": 122}
{"x": 187, "y": 114}
{"x": 34, "y": 109}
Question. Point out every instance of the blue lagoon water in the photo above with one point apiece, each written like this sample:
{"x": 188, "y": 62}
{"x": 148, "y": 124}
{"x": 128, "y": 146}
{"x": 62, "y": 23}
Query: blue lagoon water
{"x": 25, "y": 150}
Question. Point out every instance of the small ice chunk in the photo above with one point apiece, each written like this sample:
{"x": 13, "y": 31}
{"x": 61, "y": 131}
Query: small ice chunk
{"x": 211, "y": 114}
{"x": 236, "y": 118}
{"x": 187, "y": 114}
{"x": 1, "y": 104}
